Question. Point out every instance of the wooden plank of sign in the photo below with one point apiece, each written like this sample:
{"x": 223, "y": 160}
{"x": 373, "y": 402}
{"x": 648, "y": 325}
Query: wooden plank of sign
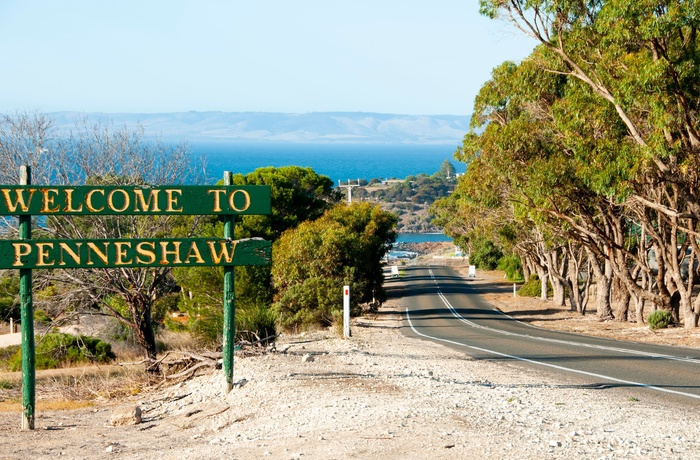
{"x": 135, "y": 200}
{"x": 106, "y": 253}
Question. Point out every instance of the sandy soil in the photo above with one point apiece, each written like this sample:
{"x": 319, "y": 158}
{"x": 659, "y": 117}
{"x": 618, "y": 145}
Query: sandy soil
{"x": 377, "y": 395}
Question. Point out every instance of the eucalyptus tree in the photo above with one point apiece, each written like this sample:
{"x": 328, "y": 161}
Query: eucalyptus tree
{"x": 641, "y": 59}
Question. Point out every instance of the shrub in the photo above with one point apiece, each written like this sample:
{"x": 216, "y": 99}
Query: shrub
{"x": 256, "y": 322}
{"x": 57, "y": 349}
{"x": 485, "y": 254}
{"x": 512, "y": 266}
{"x": 532, "y": 288}
{"x": 660, "y": 319}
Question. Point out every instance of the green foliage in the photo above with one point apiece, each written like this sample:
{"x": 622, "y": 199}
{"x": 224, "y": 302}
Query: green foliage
{"x": 531, "y": 288}
{"x": 253, "y": 322}
{"x": 257, "y": 322}
{"x": 447, "y": 169}
{"x": 41, "y": 317}
{"x": 485, "y": 254}
{"x": 9, "y": 296}
{"x": 512, "y": 266}
{"x": 57, "y": 349}
{"x": 313, "y": 262}
{"x": 297, "y": 195}
{"x": 660, "y": 319}
{"x": 417, "y": 189}
{"x": 6, "y": 353}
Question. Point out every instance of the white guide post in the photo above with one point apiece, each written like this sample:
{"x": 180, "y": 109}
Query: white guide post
{"x": 346, "y": 311}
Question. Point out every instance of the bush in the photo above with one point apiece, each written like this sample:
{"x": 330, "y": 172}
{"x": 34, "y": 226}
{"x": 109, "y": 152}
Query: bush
{"x": 256, "y": 322}
{"x": 485, "y": 255}
{"x": 532, "y": 288}
{"x": 660, "y": 319}
{"x": 57, "y": 349}
{"x": 512, "y": 266}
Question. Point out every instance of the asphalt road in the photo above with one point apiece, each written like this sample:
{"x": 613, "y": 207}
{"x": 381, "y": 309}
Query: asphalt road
{"x": 442, "y": 306}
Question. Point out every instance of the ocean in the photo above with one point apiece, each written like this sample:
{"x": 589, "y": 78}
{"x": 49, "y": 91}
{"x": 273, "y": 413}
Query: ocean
{"x": 337, "y": 161}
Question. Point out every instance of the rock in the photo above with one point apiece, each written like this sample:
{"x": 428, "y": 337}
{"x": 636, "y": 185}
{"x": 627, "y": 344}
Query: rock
{"x": 126, "y": 416}
{"x": 307, "y": 358}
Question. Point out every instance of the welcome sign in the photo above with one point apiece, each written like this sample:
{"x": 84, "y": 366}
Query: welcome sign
{"x": 27, "y": 254}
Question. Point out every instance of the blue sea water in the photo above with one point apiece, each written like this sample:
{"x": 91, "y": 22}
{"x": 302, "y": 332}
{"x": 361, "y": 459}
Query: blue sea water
{"x": 422, "y": 238}
{"x": 337, "y": 161}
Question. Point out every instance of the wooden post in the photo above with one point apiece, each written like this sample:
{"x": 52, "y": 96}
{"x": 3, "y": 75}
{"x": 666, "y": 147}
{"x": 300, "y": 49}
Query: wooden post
{"x": 27, "y": 315}
{"x": 229, "y": 302}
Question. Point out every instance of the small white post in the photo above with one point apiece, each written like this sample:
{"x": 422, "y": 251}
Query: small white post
{"x": 346, "y": 311}
{"x": 514, "y": 291}
{"x": 12, "y": 325}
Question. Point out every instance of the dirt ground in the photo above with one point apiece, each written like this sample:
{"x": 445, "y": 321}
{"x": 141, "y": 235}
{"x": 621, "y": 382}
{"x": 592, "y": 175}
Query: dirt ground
{"x": 376, "y": 395}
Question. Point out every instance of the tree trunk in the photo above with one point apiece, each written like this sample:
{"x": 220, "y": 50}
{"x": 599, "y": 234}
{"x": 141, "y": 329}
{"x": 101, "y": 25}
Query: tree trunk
{"x": 140, "y": 308}
{"x": 622, "y": 300}
{"x": 542, "y": 273}
{"x": 559, "y": 292}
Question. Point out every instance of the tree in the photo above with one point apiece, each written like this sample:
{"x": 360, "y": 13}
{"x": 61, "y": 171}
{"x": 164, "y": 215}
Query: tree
{"x": 312, "y": 262}
{"x": 639, "y": 60}
{"x": 297, "y": 195}
{"x": 447, "y": 170}
{"x": 101, "y": 154}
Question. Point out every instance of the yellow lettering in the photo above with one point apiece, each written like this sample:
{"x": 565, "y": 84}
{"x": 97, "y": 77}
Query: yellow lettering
{"x": 217, "y": 199}
{"x": 121, "y": 247}
{"x": 50, "y": 195}
{"x": 66, "y": 249}
{"x": 223, "y": 252}
{"x": 141, "y": 204}
{"x": 141, "y": 250}
{"x": 172, "y": 201}
{"x": 110, "y": 200}
{"x": 43, "y": 254}
{"x": 93, "y": 249}
{"x": 21, "y": 200}
{"x": 194, "y": 253}
{"x": 165, "y": 252}
{"x": 89, "y": 203}
{"x": 232, "y": 199}
{"x": 21, "y": 250}
{"x": 69, "y": 202}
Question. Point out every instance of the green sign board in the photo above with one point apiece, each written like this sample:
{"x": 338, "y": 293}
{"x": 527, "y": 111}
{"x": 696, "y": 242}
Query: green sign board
{"x": 115, "y": 200}
{"x": 27, "y": 254}
{"x": 123, "y": 253}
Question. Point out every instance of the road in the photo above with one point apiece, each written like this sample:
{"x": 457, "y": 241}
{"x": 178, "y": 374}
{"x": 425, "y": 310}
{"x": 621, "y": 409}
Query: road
{"x": 442, "y": 306}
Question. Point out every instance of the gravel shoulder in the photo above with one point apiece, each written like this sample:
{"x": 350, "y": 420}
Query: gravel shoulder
{"x": 377, "y": 395}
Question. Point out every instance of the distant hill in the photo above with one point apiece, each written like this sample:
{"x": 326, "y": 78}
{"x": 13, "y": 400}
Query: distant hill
{"x": 321, "y": 127}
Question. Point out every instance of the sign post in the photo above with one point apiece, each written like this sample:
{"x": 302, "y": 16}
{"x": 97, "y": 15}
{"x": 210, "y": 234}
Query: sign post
{"x": 229, "y": 303}
{"x": 27, "y": 317}
{"x": 26, "y": 254}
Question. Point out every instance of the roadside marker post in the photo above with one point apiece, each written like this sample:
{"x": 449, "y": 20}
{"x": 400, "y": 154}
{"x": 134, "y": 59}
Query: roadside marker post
{"x": 26, "y": 254}
{"x": 346, "y": 311}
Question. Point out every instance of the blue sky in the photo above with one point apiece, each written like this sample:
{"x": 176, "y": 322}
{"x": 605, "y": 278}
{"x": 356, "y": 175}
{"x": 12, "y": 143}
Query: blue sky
{"x": 145, "y": 56}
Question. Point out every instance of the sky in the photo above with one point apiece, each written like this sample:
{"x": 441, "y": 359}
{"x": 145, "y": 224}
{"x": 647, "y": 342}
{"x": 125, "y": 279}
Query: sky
{"x": 413, "y": 57}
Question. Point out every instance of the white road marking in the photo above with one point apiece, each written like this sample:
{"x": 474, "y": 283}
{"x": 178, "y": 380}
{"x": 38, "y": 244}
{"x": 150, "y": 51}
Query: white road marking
{"x": 554, "y": 366}
{"x": 544, "y": 339}
{"x": 532, "y": 361}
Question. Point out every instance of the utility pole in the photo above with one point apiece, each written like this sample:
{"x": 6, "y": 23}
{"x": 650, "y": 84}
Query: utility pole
{"x": 349, "y": 187}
